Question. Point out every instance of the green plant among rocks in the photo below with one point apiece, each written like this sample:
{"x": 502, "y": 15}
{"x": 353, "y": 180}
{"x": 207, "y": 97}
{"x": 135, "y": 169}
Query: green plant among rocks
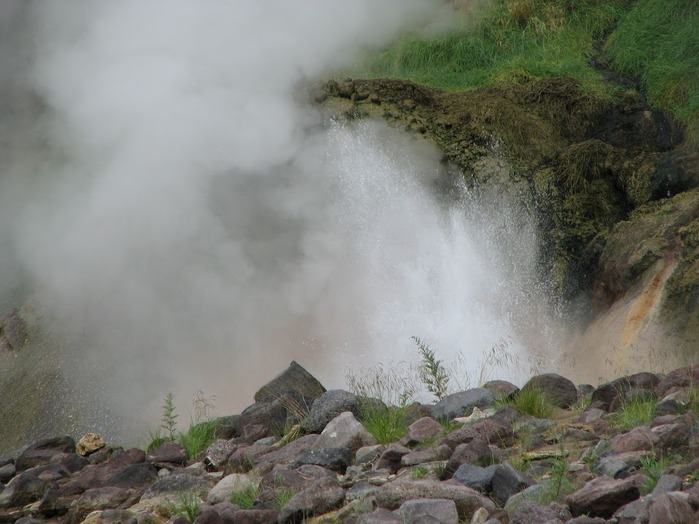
{"x": 639, "y": 410}
{"x": 432, "y": 373}
{"x": 558, "y": 484}
{"x": 530, "y": 401}
{"x": 419, "y": 472}
{"x": 247, "y": 497}
{"x": 188, "y": 506}
{"x": 386, "y": 423}
{"x": 654, "y": 468}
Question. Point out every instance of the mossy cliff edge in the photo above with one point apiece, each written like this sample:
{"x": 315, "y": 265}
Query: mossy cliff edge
{"x": 610, "y": 184}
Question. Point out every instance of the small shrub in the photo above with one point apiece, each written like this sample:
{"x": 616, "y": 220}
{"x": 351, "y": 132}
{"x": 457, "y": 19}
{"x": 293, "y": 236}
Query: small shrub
{"x": 282, "y": 496}
{"x": 169, "y": 421}
{"x": 386, "y": 423}
{"x": 431, "y": 371}
{"x": 419, "y": 472}
{"x": 440, "y": 470}
{"x": 558, "y": 484}
{"x": 188, "y": 506}
{"x": 653, "y": 469}
{"x": 530, "y": 401}
{"x": 637, "y": 411}
{"x": 246, "y": 498}
{"x": 197, "y": 438}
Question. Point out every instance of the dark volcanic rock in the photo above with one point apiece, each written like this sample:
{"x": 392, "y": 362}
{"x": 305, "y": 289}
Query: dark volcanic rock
{"x": 391, "y": 457}
{"x": 529, "y": 512}
{"x": 293, "y": 380}
{"x": 559, "y": 390}
{"x": 421, "y": 511}
{"x": 476, "y": 477}
{"x": 95, "y": 499}
{"x": 422, "y": 430}
{"x": 327, "y": 407}
{"x": 602, "y": 496}
{"x": 134, "y": 476}
{"x": 501, "y": 388}
{"x": 30, "y": 485}
{"x": 461, "y": 404}
{"x": 320, "y": 497}
{"x": 41, "y": 451}
{"x": 607, "y": 396}
{"x": 98, "y": 475}
{"x": 487, "y": 429}
{"x": 670, "y": 508}
{"x": 506, "y": 481}
{"x": 476, "y": 452}
{"x": 336, "y": 459}
{"x": 170, "y": 452}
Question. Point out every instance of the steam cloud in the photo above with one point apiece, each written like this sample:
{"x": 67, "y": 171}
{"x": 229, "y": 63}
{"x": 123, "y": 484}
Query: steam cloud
{"x": 187, "y": 221}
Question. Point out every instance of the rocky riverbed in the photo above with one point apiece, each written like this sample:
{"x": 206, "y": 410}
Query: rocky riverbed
{"x": 300, "y": 453}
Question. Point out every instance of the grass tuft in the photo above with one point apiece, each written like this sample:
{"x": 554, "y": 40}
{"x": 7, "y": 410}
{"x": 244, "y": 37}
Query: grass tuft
{"x": 386, "y": 423}
{"x": 639, "y": 410}
{"x": 530, "y": 401}
{"x": 246, "y": 498}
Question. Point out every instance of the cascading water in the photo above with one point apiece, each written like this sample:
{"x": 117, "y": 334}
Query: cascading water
{"x": 186, "y": 223}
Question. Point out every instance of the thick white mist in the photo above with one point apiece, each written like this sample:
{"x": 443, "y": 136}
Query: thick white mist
{"x": 188, "y": 222}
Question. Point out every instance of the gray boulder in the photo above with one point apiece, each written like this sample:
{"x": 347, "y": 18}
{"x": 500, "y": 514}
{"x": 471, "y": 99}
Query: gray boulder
{"x": 671, "y": 508}
{"x": 328, "y": 406}
{"x": 335, "y": 459}
{"x": 295, "y": 381}
{"x": 461, "y": 404}
{"x": 602, "y": 496}
{"x": 41, "y": 451}
{"x": 344, "y": 431}
{"x": 507, "y": 481}
{"x": 392, "y": 494}
{"x": 480, "y": 479}
{"x": 29, "y": 486}
{"x": 560, "y": 391}
{"x": 423, "y": 511}
{"x": 320, "y": 497}
{"x": 487, "y": 429}
{"x": 531, "y": 513}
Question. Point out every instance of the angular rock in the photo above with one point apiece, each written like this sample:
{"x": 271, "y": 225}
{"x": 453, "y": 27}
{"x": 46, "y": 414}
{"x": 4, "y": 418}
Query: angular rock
{"x": 506, "y": 481}
{"x": 97, "y": 475}
{"x": 29, "y": 485}
{"x": 328, "y": 406}
{"x": 532, "y": 513}
{"x": 320, "y": 497}
{"x": 169, "y": 453}
{"x": 233, "y": 483}
{"x": 360, "y": 489}
{"x": 134, "y": 476}
{"x": 475, "y": 477}
{"x": 620, "y": 465}
{"x": 393, "y": 494}
{"x": 426, "y": 455}
{"x": 344, "y": 431}
{"x": 217, "y": 454}
{"x": 97, "y": 499}
{"x": 286, "y": 454}
{"x": 208, "y": 515}
{"x": 256, "y": 516}
{"x": 89, "y": 443}
{"x": 295, "y": 380}
{"x": 335, "y": 459}
{"x": 638, "y": 439}
{"x": 244, "y": 457}
{"x": 71, "y": 461}
{"x": 380, "y": 516}
{"x": 269, "y": 415}
{"x": 676, "y": 379}
{"x": 672, "y": 436}
{"x": 420, "y": 511}
{"x": 671, "y": 508}
{"x": 602, "y": 496}
{"x": 476, "y": 452}
{"x": 391, "y": 458}
{"x": 41, "y": 451}
{"x": 608, "y": 395}
{"x": 175, "y": 484}
{"x": 488, "y": 430}
{"x": 368, "y": 454}
{"x": 667, "y": 483}
{"x": 7, "y": 472}
{"x": 422, "y": 430}
{"x": 560, "y": 391}
{"x": 501, "y": 389}
{"x": 462, "y": 403}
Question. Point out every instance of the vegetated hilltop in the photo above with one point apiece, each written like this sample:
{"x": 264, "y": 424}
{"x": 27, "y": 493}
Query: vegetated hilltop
{"x": 549, "y": 452}
{"x": 585, "y": 115}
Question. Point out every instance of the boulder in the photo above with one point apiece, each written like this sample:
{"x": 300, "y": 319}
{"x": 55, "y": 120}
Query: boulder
{"x": 423, "y": 430}
{"x": 670, "y": 508}
{"x": 335, "y": 459}
{"x": 380, "y": 516}
{"x": 328, "y": 406}
{"x": 168, "y": 453}
{"x": 218, "y": 453}
{"x": 672, "y": 436}
{"x": 320, "y": 497}
{"x": 98, "y": 475}
{"x": 560, "y": 391}
{"x": 607, "y": 396}
{"x": 488, "y": 430}
{"x": 420, "y": 511}
{"x": 173, "y": 485}
{"x": 667, "y": 483}
{"x": 638, "y": 439}
{"x": 41, "y": 451}
{"x": 506, "y": 481}
{"x": 29, "y": 486}
{"x": 392, "y": 494}
{"x": 676, "y": 379}
{"x": 476, "y": 477}
{"x": 476, "y": 452}
{"x": 602, "y": 496}
{"x": 233, "y": 483}
{"x": 256, "y": 516}
{"x": 426, "y": 455}
{"x": 344, "y": 431}
{"x": 462, "y": 403}
{"x": 391, "y": 458}
{"x": 265, "y": 418}
{"x": 134, "y": 476}
{"x": 97, "y": 499}
{"x": 529, "y": 512}
{"x": 293, "y": 380}
{"x": 501, "y": 389}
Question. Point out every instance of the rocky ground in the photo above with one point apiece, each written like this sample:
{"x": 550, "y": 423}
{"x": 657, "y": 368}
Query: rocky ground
{"x": 302, "y": 454}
